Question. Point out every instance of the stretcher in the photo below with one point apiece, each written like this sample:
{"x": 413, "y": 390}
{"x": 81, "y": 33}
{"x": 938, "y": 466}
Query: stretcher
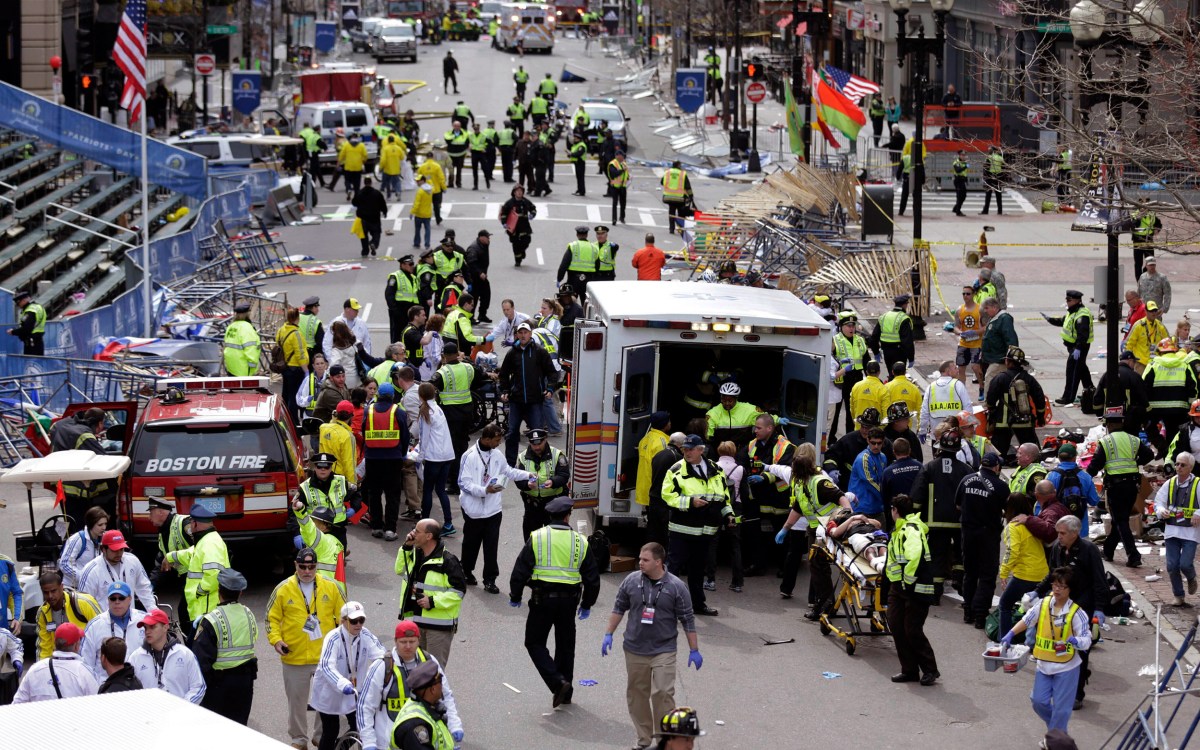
{"x": 857, "y": 599}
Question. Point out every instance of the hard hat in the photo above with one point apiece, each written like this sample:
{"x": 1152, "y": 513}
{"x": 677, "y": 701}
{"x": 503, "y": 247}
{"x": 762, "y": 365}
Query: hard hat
{"x": 869, "y": 417}
{"x": 680, "y": 722}
{"x": 1016, "y": 354}
{"x": 1166, "y": 346}
{"x": 898, "y": 410}
{"x": 709, "y": 275}
{"x": 967, "y": 419}
{"x": 950, "y": 442}
{"x": 1195, "y": 410}
{"x": 730, "y": 389}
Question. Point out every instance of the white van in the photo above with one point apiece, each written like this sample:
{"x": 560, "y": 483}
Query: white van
{"x": 532, "y": 22}
{"x": 642, "y": 343}
{"x": 351, "y": 117}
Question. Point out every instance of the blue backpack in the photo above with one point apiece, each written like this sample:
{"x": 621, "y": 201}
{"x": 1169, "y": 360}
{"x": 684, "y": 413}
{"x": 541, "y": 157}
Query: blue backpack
{"x": 1070, "y": 491}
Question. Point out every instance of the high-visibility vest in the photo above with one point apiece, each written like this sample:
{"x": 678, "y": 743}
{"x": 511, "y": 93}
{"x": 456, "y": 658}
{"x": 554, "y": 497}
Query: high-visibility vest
{"x": 445, "y": 267}
{"x": 944, "y": 400}
{"x": 395, "y": 693}
{"x": 849, "y": 349}
{"x": 1170, "y": 380}
{"x": 309, "y": 324}
{"x": 673, "y": 186}
{"x": 548, "y": 86}
{"x": 506, "y": 137}
{"x": 241, "y": 349}
{"x": 312, "y": 140}
{"x": 1120, "y": 454}
{"x": 583, "y": 256}
{"x": 406, "y": 287}
{"x": 889, "y": 326}
{"x": 995, "y": 163}
{"x": 521, "y": 76}
{"x": 877, "y": 110}
{"x": 236, "y": 631}
{"x": 375, "y": 434}
{"x": 577, "y": 152}
{"x": 805, "y": 499}
{"x": 419, "y": 354}
{"x": 960, "y": 167}
{"x": 544, "y": 470}
{"x": 539, "y": 106}
{"x": 680, "y": 483}
{"x": 311, "y": 383}
{"x": 39, "y": 316}
{"x": 462, "y": 111}
{"x": 478, "y": 141}
{"x": 897, "y": 561}
{"x": 444, "y": 614}
{"x": 558, "y": 555}
{"x": 456, "y": 143}
{"x": 605, "y": 253}
{"x": 1068, "y": 326}
{"x": 516, "y": 112}
{"x": 1046, "y": 636}
{"x": 1064, "y": 161}
{"x": 335, "y": 500}
{"x": 209, "y": 557}
{"x": 440, "y": 737}
{"x": 1020, "y": 478}
{"x": 1188, "y": 510}
{"x": 581, "y": 118}
{"x": 546, "y": 340}
{"x": 1145, "y": 224}
{"x": 622, "y": 179}
{"x": 176, "y": 535}
{"x": 457, "y": 379}
{"x": 906, "y": 163}
{"x": 778, "y": 450}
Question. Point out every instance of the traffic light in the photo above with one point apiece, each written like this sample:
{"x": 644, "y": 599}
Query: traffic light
{"x": 86, "y": 80}
{"x": 754, "y": 71}
{"x": 84, "y": 49}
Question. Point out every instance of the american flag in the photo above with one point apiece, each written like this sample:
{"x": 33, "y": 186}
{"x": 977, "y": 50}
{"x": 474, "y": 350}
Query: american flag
{"x": 854, "y": 87}
{"x": 130, "y": 56}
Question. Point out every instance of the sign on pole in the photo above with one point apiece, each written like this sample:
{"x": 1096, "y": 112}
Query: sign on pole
{"x": 247, "y": 90}
{"x": 206, "y": 63}
{"x": 755, "y": 92}
{"x": 326, "y": 36}
{"x": 689, "y": 88}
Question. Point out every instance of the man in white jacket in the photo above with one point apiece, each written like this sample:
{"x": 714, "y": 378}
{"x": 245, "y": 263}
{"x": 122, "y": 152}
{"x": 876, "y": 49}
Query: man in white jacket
{"x": 482, "y": 477}
{"x": 120, "y": 621}
{"x": 346, "y": 654}
{"x": 63, "y": 675}
{"x": 945, "y": 397}
{"x": 163, "y": 662}
{"x": 112, "y": 564}
{"x": 383, "y": 692}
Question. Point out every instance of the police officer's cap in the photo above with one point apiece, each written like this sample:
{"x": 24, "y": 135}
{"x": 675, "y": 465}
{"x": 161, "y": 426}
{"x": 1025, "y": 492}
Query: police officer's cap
{"x": 163, "y": 504}
{"x": 242, "y": 307}
{"x": 566, "y": 290}
{"x": 450, "y": 348}
{"x": 202, "y": 513}
{"x": 312, "y": 301}
{"x": 428, "y": 252}
{"x": 559, "y": 506}
{"x": 22, "y": 295}
{"x": 423, "y": 675}
{"x": 231, "y": 580}
{"x": 407, "y": 259}
{"x": 536, "y": 435}
{"x": 1074, "y": 294}
{"x": 581, "y": 229}
{"x": 323, "y": 514}
{"x": 601, "y": 228}
{"x": 324, "y": 460}
{"x": 900, "y": 300}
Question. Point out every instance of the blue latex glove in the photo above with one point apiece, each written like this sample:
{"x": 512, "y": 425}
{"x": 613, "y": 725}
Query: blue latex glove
{"x": 879, "y": 357}
{"x": 835, "y": 475}
{"x": 458, "y": 735}
{"x": 489, "y": 338}
{"x": 756, "y": 479}
{"x": 695, "y": 660}
{"x": 1073, "y": 641}
{"x": 781, "y": 536}
{"x": 19, "y": 667}
{"x": 196, "y": 622}
{"x": 1007, "y": 639}
{"x": 1099, "y": 615}
{"x": 515, "y": 605}
{"x": 606, "y": 644}
{"x": 348, "y": 690}
{"x": 1075, "y": 354}
{"x": 584, "y": 614}
{"x": 784, "y": 421}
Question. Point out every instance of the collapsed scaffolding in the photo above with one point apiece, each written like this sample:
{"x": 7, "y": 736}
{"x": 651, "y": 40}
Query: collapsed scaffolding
{"x": 800, "y": 227}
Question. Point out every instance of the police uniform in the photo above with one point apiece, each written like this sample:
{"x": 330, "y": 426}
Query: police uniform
{"x": 224, "y": 647}
{"x": 852, "y": 353}
{"x": 910, "y": 570}
{"x": 203, "y": 561}
{"x": 580, "y": 263}
{"x": 1119, "y": 454}
{"x": 551, "y": 465}
{"x": 960, "y": 168}
{"x": 893, "y": 335}
{"x": 1077, "y": 335}
{"x": 32, "y": 328}
{"x": 311, "y": 327}
{"x": 421, "y": 725}
{"x": 993, "y": 173}
{"x": 401, "y": 293}
{"x": 555, "y": 564}
{"x": 692, "y": 528}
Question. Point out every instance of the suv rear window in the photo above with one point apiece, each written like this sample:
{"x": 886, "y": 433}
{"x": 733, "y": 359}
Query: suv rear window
{"x": 209, "y": 150}
{"x": 331, "y": 118}
{"x": 181, "y": 450}
{"x": 356, "y": 118}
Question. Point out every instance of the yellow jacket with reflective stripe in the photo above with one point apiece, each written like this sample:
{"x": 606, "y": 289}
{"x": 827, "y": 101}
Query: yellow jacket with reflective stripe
{"x": 79, "y": 609}
{"x": 327, "y": 547}
{"x": 287, "y": 612}
{"x": 649, "y": 446}
{"x": 236, "y": 630}
{"x": 295, "y": 349}
{"x": 681, "y": 489}
{"x": 337, "y": 438}
{"x": 203, "y": 561}
{"x": 241, "y": 349}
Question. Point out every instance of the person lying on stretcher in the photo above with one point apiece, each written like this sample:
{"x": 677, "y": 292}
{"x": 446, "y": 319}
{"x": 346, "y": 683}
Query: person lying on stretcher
{"x": 863, "y": 534}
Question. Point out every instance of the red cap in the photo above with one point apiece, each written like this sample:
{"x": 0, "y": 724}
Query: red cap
{"x": 345, "y": 406}
{"x": 155, "y": 617}
{"x": 69, "y": 633}
{"x": 113, "y": 539}
{"x": 407, "y": 629}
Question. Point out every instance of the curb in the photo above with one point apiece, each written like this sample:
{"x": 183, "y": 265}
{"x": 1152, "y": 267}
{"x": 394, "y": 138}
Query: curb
{"x": 1169, "y": 632}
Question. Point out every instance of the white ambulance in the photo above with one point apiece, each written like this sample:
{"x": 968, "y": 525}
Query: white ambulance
{"x": 532, "y": 23}
{"x": 642, "y": 344}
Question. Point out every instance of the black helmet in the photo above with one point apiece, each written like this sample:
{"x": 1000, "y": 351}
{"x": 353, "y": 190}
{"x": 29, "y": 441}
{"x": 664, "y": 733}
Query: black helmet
{"x": 898, "y": 410}
{"x": 950, "y": 442}
{"x": 680, "y": 722}
{"x": 1070, "y": 436}
{"x": 869, "y": 417}
{"x": 1016, "y": 354}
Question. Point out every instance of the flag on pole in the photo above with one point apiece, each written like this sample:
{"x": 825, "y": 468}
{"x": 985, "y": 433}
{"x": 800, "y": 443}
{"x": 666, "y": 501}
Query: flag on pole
{"x": 59, "y": 495}
{"x": 795, "y": 121}
{"x": 836, "y": 110}
{"x": 129, "y": 54}
{"x": 854, "y": 87}
{"x": 821, "y": 124}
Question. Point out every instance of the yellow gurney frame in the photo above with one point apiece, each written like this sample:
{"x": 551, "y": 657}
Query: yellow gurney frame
{"x": 858, "y": 598}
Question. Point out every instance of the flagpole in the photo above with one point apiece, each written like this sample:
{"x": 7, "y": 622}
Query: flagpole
{"x": 146, "y": 282}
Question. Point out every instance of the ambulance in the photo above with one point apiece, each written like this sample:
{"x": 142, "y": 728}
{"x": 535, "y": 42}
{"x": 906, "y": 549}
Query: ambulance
{"x": 640, "y": 347}
{"x": 532, "y": 20}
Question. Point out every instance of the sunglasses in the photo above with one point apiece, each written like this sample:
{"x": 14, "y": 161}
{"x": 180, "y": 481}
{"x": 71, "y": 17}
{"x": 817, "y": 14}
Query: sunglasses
{"x": 876, "y": 443}
{"x": 117, "y": 598}
{"x": 306, "y": 567}
{"x": 357, "y": 621}
{"x": 536, "y": 442}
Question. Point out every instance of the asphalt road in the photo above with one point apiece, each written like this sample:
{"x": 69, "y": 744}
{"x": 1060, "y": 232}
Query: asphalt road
{"x": 808, "y": 692}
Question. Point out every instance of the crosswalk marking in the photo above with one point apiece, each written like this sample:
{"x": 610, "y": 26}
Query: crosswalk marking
{"x": 574, "y": 213}
{"x": 943, "y": 202}
{"x": 593, "y": 213}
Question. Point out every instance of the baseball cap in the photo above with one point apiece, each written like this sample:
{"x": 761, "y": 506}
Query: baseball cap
{"x": 484, "y": 233}
{"x": 69, "y": 633}
{"x": 387, "y": 392}
{"x": 352, "y": 303}
{"x": 524, "y": 327}
{"x": 1067, "y": 450}
{"x": 659, "y": 419}
{"x": 1151, "y": 306}
{"x": 155, "y": 617}
{"x": 119, "y": 587}
{"x": 113, "y": 539}
{"x": 306, "y": 556}
{"x": 345, "y": 406}
{"x": 353, "y": 610}
{"x": 337, "y": 370}
{"x": 990, "y": 459}
{"x": 1151, "y": 261}
{"x": 407, "y": 629}
{"x": 1127, "y": 355}
{"x": 451, "y": 347}
{"x": 693, "y": 441}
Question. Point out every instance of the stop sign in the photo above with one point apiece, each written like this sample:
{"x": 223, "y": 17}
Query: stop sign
{"x": 205, "y": 64}
{"x": 755, "y": 92}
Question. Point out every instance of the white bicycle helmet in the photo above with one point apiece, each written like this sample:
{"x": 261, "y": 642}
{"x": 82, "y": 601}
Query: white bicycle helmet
{"x": 730, "y": 389}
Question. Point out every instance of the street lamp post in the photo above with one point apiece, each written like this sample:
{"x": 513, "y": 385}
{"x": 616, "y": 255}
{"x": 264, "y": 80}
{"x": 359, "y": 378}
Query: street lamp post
{"x": 919, "y": 48}
{"x": 1090, "y": 27}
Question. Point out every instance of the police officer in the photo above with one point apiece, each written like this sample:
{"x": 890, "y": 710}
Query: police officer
{"x": 421, "y": 723}
{"x": 933, "y": 499}
{"x": 960, "y": 169}
{"x": 311, "y": 327}
{"x": 618, "y": 183}
{"x": 677, "y": 194}
{"x": 1119, "y": 454}
{"x": 401, "y": 294}
{"x": 457, "y": 146}
{"x": 905, "y": 179}
{"x": 993, "y": 174}
{"x": 1077, "y": 334}
{"x": 910, "y": 569}
{"x": 580, "y": 262}
{"x": 577, "y": 153}
{"x": 852, "y": 353}
{"x": 324, "y": 489}
{"x": 207, "y": 557}
{"x": 479, "y": 143}
{"x": 558, "y": 569}
{"x": 174, "y": 532}
{"x": 241, "y": 349}
{"x": 548, "y": 89}
{"x": 313, "y": 145}
{"x": 456, "y": 381}
{"x": 1064, "y": 174}
{"x": 80, "y": 433}
{"x": 553, "y": 473}
{"x": 224, "y": 647}
{"x": 1015, "y": 402}
{"x": 1029, "y": 470}
{"x": 606, "y": 255}
{"x": 506, "y": 142}
{"x": 893, "y": 334}
{"x": 521, "y": 78}
{"x": 32, "y": 328}
{"x": 1145, "y": 224}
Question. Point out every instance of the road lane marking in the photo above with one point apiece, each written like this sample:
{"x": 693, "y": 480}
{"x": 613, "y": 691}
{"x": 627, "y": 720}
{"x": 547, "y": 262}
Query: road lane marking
{"x": 541, "y": 259}
{"x": 366, "y": 313}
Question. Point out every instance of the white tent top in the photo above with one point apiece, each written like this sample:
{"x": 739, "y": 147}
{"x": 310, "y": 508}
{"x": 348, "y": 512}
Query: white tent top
{"x": 69, "y": 466}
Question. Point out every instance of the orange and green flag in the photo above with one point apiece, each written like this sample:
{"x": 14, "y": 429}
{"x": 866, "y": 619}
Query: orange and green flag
{"x": 795, "y": 122}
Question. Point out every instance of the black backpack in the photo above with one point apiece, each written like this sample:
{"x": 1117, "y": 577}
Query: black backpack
{"x": 599, "y": 550}
{"x": 1118, "y": 603}
{"x": 1070, "y": 491}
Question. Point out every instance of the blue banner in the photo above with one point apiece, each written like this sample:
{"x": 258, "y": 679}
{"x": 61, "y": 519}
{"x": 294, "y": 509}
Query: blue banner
{"x": 247, "y": 90}
{"x": 689, "y": 88}
{"x": 170, "y": 167}
{"x": 327, "y": 34}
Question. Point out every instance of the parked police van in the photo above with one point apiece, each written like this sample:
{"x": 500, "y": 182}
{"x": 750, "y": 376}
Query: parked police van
{"x": 641, "y": 345}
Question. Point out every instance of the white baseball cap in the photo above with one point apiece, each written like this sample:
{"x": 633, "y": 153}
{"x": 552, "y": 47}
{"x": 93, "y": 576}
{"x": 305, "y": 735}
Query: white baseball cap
{"x": 353, "y": 611}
